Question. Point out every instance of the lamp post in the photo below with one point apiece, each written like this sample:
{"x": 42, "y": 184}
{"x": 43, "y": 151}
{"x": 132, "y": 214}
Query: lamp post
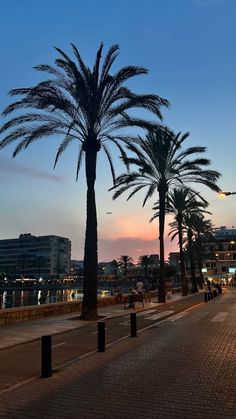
{"x": 223, "y": 194}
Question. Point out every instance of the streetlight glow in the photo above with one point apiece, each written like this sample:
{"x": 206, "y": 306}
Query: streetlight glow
{"x": 223, "y": 194}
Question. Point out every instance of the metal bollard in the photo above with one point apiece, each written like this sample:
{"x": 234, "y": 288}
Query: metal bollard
{"x": 208, "y": 295}
{"x": 211, "y": 295}
{"x": 46, "y": 357}
{"x": 101, "y": 336}
{"x": 133, "y": 325}
{"x": 205, "y": 297}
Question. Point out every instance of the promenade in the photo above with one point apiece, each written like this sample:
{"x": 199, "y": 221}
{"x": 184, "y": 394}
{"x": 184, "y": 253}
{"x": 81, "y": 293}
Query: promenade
{"x": 181, "y": 365}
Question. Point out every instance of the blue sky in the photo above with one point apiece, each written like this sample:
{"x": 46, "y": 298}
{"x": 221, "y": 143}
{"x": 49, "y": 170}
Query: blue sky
{"x": 188, "y": 47}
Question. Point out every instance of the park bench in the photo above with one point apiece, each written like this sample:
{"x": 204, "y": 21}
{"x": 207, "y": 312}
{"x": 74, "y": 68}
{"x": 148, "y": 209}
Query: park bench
{"x": 136, "y": 298}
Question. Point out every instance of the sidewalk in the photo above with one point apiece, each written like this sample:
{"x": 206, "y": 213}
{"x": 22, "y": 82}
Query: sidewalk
{"x": 184, "y": 368}
{"x": 28, "y": 331}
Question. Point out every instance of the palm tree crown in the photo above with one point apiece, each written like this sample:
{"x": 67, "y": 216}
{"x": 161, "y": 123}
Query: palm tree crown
{"x": 144, "y": 261}
{"x": 179, "y": 202}
{"x": 125, "y": 261}
{"x": 78, "y": 104}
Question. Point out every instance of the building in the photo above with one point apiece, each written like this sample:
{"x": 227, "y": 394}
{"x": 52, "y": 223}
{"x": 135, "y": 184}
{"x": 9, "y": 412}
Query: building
{"x": 220, "y": 255}
{"x": 31, "y": 256}
{"x": 154, "y": 261}
{"x": 174, "y": 258}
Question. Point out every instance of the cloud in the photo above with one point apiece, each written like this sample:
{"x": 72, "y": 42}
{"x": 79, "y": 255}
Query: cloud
{"x": 11, "y": 166}
{"x": 113, "y": 248}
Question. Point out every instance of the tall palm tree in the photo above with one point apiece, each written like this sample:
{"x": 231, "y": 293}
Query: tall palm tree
{"x": 125, "y": 261}
{"x": 144, "y": 262}
{"x": 162, "y": 163}
{"x": 87, "y": 106}
{"x": 180, "y": 201}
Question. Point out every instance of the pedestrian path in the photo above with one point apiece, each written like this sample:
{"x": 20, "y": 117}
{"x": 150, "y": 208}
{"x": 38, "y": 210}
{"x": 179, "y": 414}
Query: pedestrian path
{"x": 29, "y": 331}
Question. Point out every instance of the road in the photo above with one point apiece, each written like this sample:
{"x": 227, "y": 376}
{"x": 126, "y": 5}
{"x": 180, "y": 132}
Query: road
{"x": 22, "y": 362}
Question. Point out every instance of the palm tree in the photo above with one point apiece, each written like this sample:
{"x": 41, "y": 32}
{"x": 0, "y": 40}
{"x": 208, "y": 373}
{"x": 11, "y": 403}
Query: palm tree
{"x": 125, "y": 261}
{"x": 161, "y": 164}
{"x": 189, "y": 221}
{"x": 144, "y": 261}
{"x": 180, "y": 201}
{"x": 115, "y": 266}
{"x": 203, "y": 229}
{"x": 86, "y": 106}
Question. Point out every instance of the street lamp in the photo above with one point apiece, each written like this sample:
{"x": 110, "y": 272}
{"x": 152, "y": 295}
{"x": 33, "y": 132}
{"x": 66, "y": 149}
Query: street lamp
{"x": 223, "y": 194}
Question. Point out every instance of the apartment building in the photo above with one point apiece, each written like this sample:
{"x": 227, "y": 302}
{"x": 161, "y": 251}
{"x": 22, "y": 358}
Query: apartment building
{"x": 220, "y": 255}
{"x": 44, "y": 257}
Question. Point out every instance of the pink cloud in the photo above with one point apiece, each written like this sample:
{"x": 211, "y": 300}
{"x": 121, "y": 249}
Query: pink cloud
{"x": 133, "y": 246}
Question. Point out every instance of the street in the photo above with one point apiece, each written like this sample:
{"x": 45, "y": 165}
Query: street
{"x": 182, "y": 367}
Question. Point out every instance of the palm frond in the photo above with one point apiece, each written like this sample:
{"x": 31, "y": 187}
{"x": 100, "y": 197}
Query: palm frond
{"x": 79, "y": 160}
{"x": 109, "y": 157}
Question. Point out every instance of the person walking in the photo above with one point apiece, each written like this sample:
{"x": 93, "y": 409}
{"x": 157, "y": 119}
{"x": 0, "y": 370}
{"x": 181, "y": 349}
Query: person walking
{"x": 168, "y": 290}
{"x": 147, "y": 288}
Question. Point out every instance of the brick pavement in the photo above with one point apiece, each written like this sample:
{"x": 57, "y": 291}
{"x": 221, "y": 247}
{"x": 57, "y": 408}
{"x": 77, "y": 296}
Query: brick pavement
{"x": 183, "y": 368}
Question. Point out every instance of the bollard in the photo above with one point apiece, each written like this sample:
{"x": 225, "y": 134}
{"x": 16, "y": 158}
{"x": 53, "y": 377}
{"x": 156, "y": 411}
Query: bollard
{"x": 205, "y": 297}
{"x": 101, "y": 336}
{"x": 211, "y": 295}
{"x": 46, "y": 357}
{"x": 208, "y": 295}
{"x": 214, "y": 293}
{"x": 133, "y": 325}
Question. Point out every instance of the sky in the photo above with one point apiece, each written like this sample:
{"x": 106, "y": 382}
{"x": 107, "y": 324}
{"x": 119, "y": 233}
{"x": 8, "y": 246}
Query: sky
{"x": 188, "y": 47}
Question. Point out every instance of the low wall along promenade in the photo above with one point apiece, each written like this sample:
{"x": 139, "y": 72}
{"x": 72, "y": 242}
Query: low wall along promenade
{"x": 23, "y": 314}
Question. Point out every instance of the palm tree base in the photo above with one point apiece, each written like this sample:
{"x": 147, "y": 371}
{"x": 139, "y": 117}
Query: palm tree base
{"x": 161, "y": 300}
{"x": 89, "y": 316}
{"x": 161, "y": 297}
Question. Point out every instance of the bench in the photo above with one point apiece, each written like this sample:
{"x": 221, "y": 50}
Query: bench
{"x": 130, "y": 300}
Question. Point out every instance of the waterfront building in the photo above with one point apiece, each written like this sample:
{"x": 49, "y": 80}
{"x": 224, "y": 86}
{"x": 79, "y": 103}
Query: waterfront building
{"x": 46, "y": 257}
{"x": 220, "y": 255}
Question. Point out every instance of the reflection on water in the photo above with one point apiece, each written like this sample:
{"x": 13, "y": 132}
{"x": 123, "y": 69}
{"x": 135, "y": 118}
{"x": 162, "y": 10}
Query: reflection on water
{"x": 21, "y": 298}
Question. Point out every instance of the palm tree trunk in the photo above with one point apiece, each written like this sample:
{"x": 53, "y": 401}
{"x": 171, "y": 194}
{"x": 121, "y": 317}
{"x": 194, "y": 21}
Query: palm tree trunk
{"x": 145, "y": 270}
{"x": 182, "y": 262}
{"x": 200, "y": 263}
{"x": 90, "y": 285}
{"x": 192, "y": 268}
{"x": 162, "y": 285}
{"x": 125, "y": 269}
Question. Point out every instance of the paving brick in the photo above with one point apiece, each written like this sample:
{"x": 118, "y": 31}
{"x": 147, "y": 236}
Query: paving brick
{"x": 183, "y": 369}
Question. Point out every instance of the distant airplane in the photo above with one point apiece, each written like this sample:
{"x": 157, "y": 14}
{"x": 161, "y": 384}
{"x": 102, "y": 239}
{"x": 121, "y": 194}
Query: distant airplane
{"x": 109, "y": 212}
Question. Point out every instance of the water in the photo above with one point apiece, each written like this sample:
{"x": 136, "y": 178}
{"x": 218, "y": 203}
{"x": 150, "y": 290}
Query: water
{"x": 22, "y": 298}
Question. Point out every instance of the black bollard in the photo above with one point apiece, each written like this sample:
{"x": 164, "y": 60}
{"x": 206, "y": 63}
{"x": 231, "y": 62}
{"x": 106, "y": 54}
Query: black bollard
{"x": 133, "y": 325}
{"x": 101, "y": 336}
{"x": 209, "y": 295}
{"x": 205, "y": 297}
{"x": 46, "y": 357}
